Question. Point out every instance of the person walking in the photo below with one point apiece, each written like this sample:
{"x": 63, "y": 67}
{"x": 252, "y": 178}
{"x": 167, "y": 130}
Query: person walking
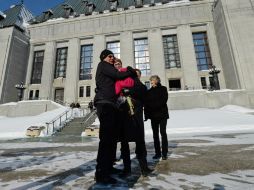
{"x": 156, "y": 110}
{"x": 107, "y": 111}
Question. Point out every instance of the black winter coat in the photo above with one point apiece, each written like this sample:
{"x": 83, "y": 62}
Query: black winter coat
{"x": 156, "y": 103}
{"x": 106, "y": 76}
{"x": 132, "y": 127}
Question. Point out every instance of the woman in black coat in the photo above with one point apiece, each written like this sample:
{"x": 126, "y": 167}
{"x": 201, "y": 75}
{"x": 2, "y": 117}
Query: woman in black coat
{"x": 133, "y": 127}
{"x": 156, "y": 109}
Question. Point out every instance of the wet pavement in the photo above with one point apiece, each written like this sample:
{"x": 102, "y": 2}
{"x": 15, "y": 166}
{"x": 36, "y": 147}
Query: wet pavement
{"x": 218, "y": 162}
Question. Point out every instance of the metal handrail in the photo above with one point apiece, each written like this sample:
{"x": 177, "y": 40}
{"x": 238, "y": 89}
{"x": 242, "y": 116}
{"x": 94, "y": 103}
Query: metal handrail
{"x": 58, "y": 118}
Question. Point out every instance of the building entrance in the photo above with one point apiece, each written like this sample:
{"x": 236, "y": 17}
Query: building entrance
{"x": 59, "y": 95}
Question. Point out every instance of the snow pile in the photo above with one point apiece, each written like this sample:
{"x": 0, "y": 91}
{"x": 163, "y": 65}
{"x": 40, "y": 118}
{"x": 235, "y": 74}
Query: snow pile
{"x": 234, "y": 108}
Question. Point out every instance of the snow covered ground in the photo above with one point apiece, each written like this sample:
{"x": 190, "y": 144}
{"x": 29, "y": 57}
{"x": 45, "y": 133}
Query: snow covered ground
{"x": 15, "y": 127}
{"x": 192, "y": 134}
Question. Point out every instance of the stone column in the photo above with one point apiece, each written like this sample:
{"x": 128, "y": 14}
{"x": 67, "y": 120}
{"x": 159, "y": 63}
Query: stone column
{"x": 213, "y": 45}
{"x": 157, "y": 61}
{"x": 98, "y": 46}
{"x": 48, "y": 71}
{"x": 29, "y": 71}
{"x": 72, "y": 71}
{"x": 127, "y": 52}
{"x": 188, "y": 58}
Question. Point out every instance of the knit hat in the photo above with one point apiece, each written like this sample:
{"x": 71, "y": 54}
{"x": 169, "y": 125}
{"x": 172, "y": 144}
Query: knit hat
{"x": 105, "y": 53}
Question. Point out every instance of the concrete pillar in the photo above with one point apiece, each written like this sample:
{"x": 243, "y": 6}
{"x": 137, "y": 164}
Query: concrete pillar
{"x": 48, "y": 71}
{"x": 188, "y": 58}
{"x": 126, "y": 49}
{"x": 29, "y": 71}
{"x": 98, "y": 46}
{"x": 72, "y": 71}
{"x": 157, "y": 61}
{"x": 213, "y": 45}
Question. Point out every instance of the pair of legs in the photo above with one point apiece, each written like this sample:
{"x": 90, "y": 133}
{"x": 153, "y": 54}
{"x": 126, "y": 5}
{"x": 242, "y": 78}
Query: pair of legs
{"x": 161, "y": 126}
{"x": 141, "y": 156}
{"x": 108, "y": 137}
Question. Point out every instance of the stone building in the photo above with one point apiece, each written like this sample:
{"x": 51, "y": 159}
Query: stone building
{"x": 14, "y": 50}
{"x": 179, "y": 40}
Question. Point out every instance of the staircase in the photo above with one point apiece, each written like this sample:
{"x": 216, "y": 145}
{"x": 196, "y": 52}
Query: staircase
{"x": 73, "y": 129}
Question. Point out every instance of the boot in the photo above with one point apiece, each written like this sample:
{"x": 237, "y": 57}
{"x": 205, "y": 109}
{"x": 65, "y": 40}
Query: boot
{"x": 144, "y": 167}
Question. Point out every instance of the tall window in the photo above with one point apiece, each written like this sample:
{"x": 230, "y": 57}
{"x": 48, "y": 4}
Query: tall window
{"x": 37, "y": 67}
{"x": 37, "y": 92}
{"x": 141, "y": 55}
{"x": 203, "y": 82}
{"x": 203, "y": 56}
{"x": 115, "y": 48}
{"x": 31, "y": 94}
{"x": 88, "y": 91}
{"x": 61, "y": 62}
{"x": 86, "y": 60}
{"x": 81, "y": 91}
{"x": 171, "y": 52}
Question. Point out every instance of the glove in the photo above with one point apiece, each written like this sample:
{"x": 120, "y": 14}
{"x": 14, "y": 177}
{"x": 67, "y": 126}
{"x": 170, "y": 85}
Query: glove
{"x": 132, "y": 71}
{"x": 125, "y": 91}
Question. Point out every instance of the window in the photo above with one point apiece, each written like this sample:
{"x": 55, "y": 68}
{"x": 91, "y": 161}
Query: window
{"x": 115, "y": 48}
{"x": 88, "y": 91}
{"x": 81, "y": 91}
{"x": 61, "y": 62}
{"x": 141, "y": 56}
{"x": 171, "y": 52}
{"x": 203, "y": 56}
{"x": 174, "y": 84}
{"x": 203, "y": 82}
{"x": 31, "y": 94}
{"x": 86, "y": 60}
{"x": 37, "y": 67}
{"x": 37, "y": 94}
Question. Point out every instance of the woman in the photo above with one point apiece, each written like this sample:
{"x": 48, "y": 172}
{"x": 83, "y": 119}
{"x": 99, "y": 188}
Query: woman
{"x": 156, "y": 109}
{"x": 132, "y": 125}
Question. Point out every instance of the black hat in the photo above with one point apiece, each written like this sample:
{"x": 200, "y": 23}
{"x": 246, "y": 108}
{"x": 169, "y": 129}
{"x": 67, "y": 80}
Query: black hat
{"x": 105, "y": 53}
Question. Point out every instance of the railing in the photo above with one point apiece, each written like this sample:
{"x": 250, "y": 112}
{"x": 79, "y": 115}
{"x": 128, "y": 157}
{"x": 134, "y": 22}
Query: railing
{"x": 88, "y": 120}
{"x": 59, "y": 122}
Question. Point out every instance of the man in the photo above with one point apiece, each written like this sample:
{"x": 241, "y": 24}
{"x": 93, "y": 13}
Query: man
{"x": 105, "y": 103}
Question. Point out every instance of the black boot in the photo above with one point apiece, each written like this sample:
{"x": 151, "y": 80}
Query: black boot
{"x": 126, "y": 173}
{"x": 144, "y": 167}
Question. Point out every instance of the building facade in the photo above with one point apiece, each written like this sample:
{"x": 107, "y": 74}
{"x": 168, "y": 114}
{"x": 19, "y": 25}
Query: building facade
{"x": 14, "y": 50}
{"x": 177, "y": 40}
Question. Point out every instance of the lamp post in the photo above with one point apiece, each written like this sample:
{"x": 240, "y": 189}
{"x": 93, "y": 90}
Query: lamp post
{"x": 20, "y": 87}
{"x": 214, "y": 72}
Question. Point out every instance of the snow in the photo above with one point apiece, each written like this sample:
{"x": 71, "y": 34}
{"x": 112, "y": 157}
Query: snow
{"x": 228, "y": 119}
{"x": 201, "y": 124}
{"x": 15, "y": 127}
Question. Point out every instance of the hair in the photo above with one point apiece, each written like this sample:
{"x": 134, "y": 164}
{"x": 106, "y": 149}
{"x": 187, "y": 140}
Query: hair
{"x": 118, "y": 60}
{"x": 138, "y": 70}
{"x": 155, "y": 77}
{"x": 105, "y": 53}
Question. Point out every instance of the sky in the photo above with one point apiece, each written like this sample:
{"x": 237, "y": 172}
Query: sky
{"x": 35, "y": 6}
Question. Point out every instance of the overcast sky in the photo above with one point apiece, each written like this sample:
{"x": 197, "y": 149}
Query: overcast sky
{"x": 35, "y": 6}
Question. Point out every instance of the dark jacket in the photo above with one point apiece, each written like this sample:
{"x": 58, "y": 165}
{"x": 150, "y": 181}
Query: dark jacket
{"x": 132, "y": 127}
{"x": 106, "y": 76}
{"x": 156, "y": 103}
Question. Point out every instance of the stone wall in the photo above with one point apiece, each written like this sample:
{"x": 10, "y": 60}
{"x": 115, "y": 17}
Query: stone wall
{"x": 27, "y": 108}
